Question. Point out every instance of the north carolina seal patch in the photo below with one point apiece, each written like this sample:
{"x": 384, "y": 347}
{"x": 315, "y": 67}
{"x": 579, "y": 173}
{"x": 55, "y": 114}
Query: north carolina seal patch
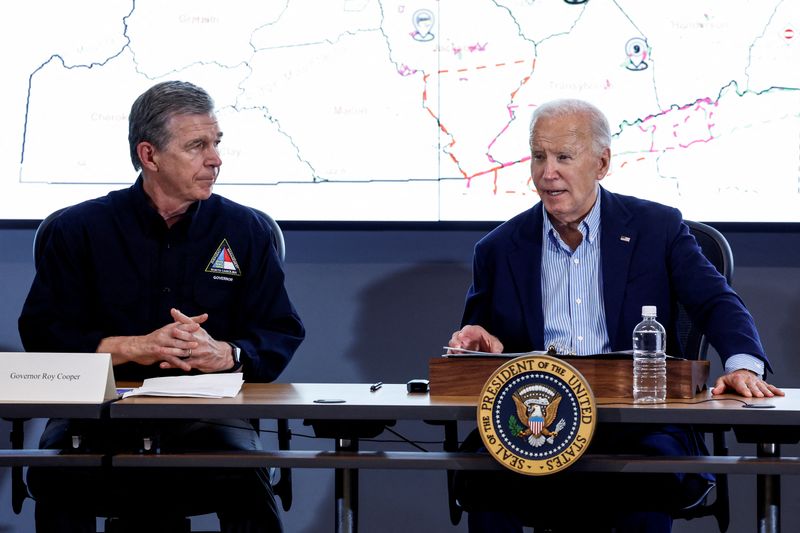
{"x": 223, "y": 261}
{"x": 536, "y": 415}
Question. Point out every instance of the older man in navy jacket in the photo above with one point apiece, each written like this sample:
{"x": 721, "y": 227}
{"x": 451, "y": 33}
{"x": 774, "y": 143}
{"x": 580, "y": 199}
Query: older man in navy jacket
{"x": 168, "y": 278}
{"x": 574, "y": 271}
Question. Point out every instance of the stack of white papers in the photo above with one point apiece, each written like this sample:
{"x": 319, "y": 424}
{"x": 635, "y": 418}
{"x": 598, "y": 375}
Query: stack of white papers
{"x": 200, "y": 386}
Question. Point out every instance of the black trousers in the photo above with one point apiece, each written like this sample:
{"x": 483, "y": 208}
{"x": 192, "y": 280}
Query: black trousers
{"x": 69, "y": 499}
{"x": 587, "y": 501}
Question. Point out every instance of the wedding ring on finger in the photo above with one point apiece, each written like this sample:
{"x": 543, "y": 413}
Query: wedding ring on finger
{"x": 190, "y": 353}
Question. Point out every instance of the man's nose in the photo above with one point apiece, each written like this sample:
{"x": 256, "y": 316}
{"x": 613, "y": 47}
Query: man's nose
{"x": 213, "y": 158}
{"x": 550, "y": 170}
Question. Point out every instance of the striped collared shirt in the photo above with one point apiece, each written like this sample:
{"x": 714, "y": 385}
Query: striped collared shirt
{"x": 572, "y": 292}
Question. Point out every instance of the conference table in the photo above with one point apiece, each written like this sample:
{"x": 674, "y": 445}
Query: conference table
{"x": 347, "y": 412}
{"x": 340, "y": 410}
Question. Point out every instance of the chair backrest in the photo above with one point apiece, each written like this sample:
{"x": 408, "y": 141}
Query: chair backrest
{"x": 279, "y": 478}
{"x": 277, "y": 235}
{"x": 41, "y": 235}
{"x": 717, "y": 250}
{"x": 715, "y": 247}
{"x": 695, "y": 346}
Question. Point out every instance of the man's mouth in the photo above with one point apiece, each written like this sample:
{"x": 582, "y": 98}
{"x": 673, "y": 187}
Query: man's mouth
{"x": 554, "y": 193}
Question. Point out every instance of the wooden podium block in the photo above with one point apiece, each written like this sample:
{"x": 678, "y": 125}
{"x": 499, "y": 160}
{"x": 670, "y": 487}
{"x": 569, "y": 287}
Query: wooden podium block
{"x": 609, "y": 378}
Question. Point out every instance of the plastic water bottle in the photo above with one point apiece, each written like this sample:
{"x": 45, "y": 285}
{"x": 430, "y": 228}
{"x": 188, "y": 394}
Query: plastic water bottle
{"x": 649, "y": 359}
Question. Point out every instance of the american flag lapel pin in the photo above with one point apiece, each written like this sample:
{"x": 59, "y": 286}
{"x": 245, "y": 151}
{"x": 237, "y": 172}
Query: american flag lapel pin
{"x": 624, "y": 238}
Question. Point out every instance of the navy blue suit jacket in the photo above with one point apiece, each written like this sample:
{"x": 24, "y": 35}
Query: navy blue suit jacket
{"x": 648, "y": 257}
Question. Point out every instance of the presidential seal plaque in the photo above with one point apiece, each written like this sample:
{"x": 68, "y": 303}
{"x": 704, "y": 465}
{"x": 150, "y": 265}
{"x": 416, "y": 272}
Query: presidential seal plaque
{"x": 536, "y": 415}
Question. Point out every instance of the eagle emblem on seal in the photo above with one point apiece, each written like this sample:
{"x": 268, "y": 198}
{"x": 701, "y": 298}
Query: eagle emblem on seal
{"x": 537, "y": 407}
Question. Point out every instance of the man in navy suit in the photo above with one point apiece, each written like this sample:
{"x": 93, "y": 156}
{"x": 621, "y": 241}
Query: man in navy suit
{"x": 574, "y": 271}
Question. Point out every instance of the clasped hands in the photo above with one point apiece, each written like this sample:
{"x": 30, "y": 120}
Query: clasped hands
{"x": 183, "y": 344}
{"x": 742, "y": 382}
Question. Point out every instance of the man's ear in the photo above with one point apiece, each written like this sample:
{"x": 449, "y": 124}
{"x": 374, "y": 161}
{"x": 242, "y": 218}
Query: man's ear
{"x": 147, "y": 156}
{"x": 604, "y": 162}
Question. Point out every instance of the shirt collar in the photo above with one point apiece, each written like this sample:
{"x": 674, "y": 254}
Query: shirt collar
{"x": 149, "y": 216}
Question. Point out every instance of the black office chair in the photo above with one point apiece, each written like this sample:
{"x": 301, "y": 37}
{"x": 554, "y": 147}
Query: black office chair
{"x": 19, "y": 490}
{"x": 42, "y": 235}
{"x": 280, "y": 478}
{"x": 695, "y": 346}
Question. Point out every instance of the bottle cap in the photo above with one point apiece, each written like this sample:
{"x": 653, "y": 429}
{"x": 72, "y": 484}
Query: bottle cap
{"x": 649, "y": 310}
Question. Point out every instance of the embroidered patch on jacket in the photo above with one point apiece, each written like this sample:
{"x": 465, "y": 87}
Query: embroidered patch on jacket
{"x": 223, "y": 261}
{"x": 536, "y": 415}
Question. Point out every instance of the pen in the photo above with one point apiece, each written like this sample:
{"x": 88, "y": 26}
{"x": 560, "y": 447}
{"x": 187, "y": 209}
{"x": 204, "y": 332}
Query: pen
{"x": 375, "y": 386}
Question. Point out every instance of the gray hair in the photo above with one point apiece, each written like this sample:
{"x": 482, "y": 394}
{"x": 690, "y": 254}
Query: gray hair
{"x": 152, "y": 110}
{"x": 598, "y": 124}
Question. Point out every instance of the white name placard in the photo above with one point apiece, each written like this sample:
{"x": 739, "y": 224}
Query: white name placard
{"x": 56, "y": 377}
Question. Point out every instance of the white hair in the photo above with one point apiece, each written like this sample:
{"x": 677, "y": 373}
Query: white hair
{"x": 598, "y": 124}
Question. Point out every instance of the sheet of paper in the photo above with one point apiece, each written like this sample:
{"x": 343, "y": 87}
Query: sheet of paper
{"x": 461, "y": 352}
{"x": 199, "y": 386}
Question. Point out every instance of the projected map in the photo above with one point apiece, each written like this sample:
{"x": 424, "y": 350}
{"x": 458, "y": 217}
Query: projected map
{"x": 414, "y": 110}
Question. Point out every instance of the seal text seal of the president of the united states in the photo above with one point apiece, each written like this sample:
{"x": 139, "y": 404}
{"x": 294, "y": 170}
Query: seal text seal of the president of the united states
{"x": 536, "y": 415}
